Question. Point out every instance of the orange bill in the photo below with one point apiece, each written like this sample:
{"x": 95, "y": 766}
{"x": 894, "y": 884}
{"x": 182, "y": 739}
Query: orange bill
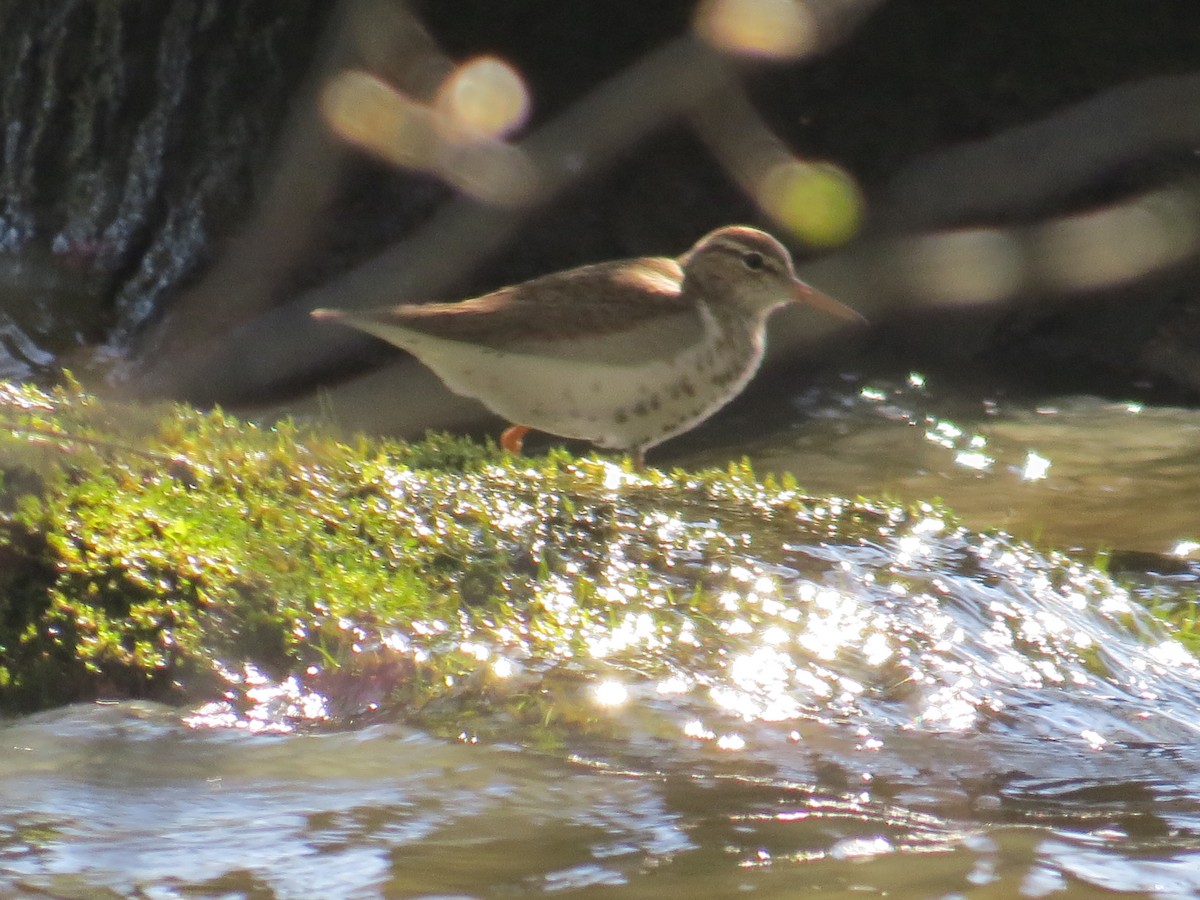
{"x": 810, "y": 296}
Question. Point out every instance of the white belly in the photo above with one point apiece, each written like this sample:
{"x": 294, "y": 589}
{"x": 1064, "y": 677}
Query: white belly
{"x": 620, "y": 406}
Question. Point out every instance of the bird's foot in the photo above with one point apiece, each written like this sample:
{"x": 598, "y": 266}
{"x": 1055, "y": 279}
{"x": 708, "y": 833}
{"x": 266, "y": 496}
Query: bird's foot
{"x": 513, "y": 438}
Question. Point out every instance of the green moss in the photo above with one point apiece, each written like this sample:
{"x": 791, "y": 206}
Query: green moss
{"x": 162, "y": 552}
{"x": 144, "y": 549}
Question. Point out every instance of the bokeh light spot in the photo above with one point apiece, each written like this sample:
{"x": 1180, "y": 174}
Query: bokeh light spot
{"x": 776, "y": 29}
{"x": 610, "y": 693}
{"x": 819, "y": 203}
{"x": 370, "y": 113}
{"x": 485, "y": 97}
{"x": 968, "y": 266}
{"x": 1118, "y": 243}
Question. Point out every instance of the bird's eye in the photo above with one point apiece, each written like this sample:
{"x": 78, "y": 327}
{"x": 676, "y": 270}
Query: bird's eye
{"x": 754, "y": 261}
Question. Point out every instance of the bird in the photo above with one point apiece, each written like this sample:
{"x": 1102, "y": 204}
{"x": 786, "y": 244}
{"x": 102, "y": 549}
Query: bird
{"x": 625, "y": 354}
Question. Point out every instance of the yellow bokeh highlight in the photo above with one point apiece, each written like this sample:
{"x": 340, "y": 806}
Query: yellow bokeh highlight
{"x": 373, "y": 115}
{"x": 966, "y": 266}
{"x": 485, "y": 97}
{"x": 775, "y": 29}
{"x": 1118, "y": 243}
{"x": 817, "y": 202}
{"x": 489, "y": 170}
{"x": 366, "y": 111}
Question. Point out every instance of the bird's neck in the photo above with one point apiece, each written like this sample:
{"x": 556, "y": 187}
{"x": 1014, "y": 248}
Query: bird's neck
{"x": 733, "y": 329}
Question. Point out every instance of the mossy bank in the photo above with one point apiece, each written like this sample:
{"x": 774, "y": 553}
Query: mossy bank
{"x": 167, "y": 552}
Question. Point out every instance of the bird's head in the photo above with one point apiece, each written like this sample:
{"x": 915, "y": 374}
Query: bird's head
{"x": 747, "y": 268}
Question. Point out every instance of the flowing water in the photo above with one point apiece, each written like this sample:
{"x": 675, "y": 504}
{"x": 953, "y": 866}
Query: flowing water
{"x": 1070, "y": 472}
{"x": 970, "y": 719}
{"x": 957, "y": 717}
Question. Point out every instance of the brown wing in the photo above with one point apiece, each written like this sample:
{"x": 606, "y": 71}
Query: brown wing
{"x": 597, "y": 300}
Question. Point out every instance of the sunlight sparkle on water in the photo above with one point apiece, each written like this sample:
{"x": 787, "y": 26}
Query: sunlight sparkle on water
{"x": 763, "y": 670}
{"x": 1020, "y": 668}
{"x": 675, "y": 684}
{"x": 514, "y": 518}
{"x": 740, "y": 573}
{"x": 275, "y": 710}
{"x": 876, "y": 649}
{"x": 825, "y": 635}
{"x": 818, "y": 687}
{"x": 634, "y": 629}
{"x": 730, "y": 601}
{"x": 1050, "y": 671}
{"x": 1076, "y": 600}
{"x": 910, "y": 547}
{"x": 764, "y": 585}
{"x": 929, "y": 525}
{"x": 944, "y": 434}
{"x": 737, "y": 626}
{"x": 558, "y": 598}
{"x": 479, "y": 651}
{"x": 861, "y": 848}
{"x": 1035, "y": 468}
{"x": 669, "y": 528}
{"x": 774, "y": 635}
{"x": 299, "y": 703}
{"x": 614, "y": 477}
{"x": 850, "y": 687}
{"x": 431, "y": 627}
{"x": 1115, "y": 603}
{"x": 974, "y": 459}
{"x": 687, "y": 635}
{"x": 610, "y": 694}
{"x": 771, "y": 607}
{"x": 1172, "y": 654}
{"x": 731, "y": 742}
{"x": 950, "y": 709}
{"x": 761, "y": 689}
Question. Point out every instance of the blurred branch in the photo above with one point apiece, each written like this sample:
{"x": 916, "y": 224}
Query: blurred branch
{"x": 779, "y": 29}
{"x": 388, "y": 41}
{"x": 281, "y": 343}
{"x": 304, "y": 179}
{"x": 579, "y": 143}
{"x": 1096, "y": 249}
{"x": 933, "y": 243}
{"x": 817, "y": 202}
{"x": 920, "y": 253}
{"x": 1026, "y": 167}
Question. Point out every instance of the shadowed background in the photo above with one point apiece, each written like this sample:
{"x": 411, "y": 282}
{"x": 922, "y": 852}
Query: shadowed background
{"x": 1007, "y": 191}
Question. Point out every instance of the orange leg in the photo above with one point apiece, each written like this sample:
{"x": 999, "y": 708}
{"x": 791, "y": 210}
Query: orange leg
{"x": 513, "y": 437}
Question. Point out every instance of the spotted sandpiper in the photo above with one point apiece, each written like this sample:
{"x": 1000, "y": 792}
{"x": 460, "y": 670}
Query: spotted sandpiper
{"x": 625, "y": 354}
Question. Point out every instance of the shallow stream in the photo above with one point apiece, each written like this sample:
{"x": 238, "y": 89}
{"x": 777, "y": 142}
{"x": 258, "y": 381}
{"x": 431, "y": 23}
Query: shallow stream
{"x": 936, "y": 715}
